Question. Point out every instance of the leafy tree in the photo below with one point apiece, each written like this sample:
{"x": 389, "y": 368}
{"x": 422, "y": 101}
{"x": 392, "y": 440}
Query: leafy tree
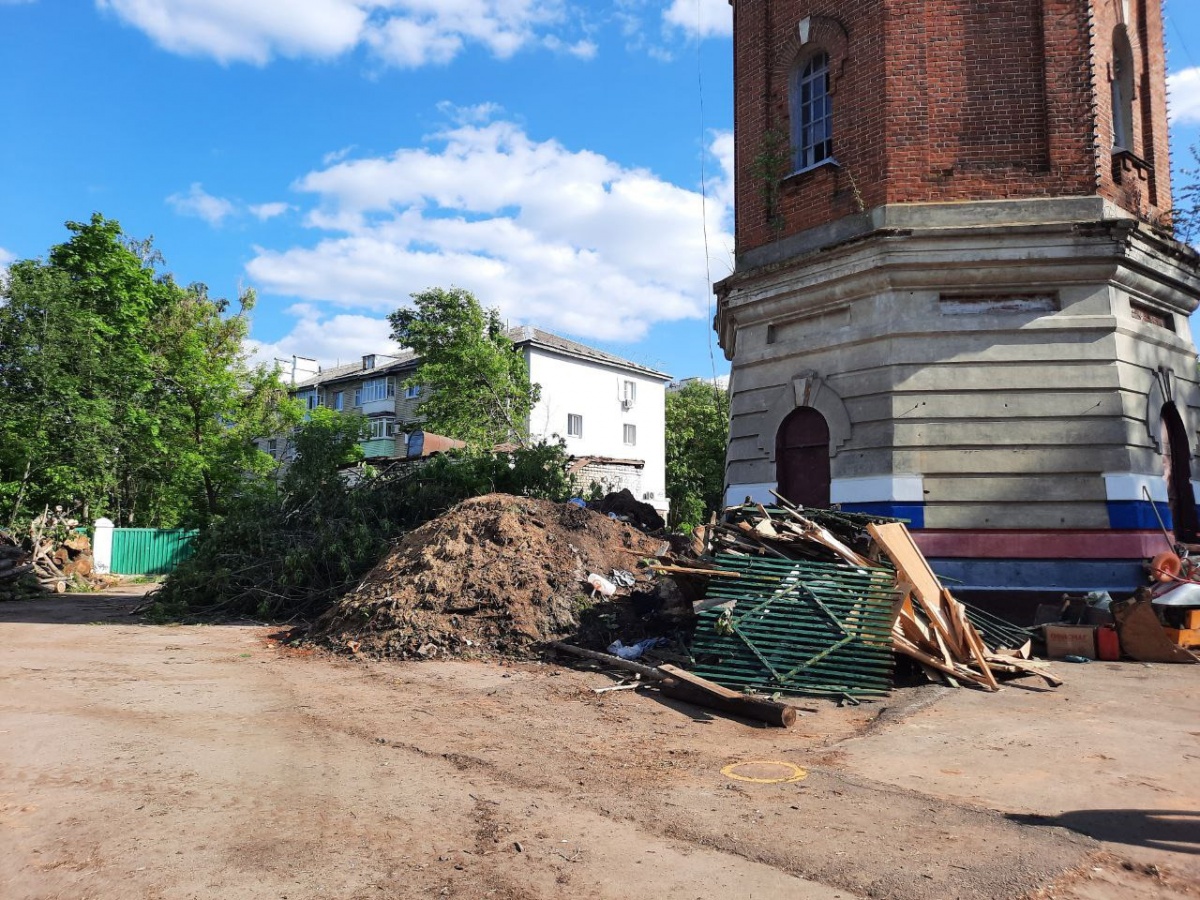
{"x": 477, "y": 386}
{"x": 211, "y": 403}
{"x": 122, "y": 393}
{"x": 1187, "y": 206}
{"x": 697, "y": 435}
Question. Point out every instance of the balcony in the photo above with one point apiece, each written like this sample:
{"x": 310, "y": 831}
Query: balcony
{"x": 377, "y": 448}
{"x": 375, "y": 407}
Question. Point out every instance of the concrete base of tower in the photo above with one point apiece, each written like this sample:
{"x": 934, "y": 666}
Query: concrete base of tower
{"x": 995, "y": 368}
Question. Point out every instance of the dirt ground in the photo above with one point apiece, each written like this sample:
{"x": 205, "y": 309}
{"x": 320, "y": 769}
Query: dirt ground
{"x": 142, "y": 761}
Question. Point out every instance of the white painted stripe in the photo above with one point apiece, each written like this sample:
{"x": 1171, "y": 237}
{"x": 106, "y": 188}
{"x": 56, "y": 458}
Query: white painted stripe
{"x": 878, "y": 489}
{"x": 736, "y": 494}
{"x": 1127, "y": 486}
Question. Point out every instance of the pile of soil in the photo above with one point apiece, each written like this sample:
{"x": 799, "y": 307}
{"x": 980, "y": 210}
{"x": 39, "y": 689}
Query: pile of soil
{"x": 494, "y": 575}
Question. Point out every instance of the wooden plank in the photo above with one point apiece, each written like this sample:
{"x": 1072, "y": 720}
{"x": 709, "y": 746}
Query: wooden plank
{"x": 902, "y": 646}
{"x": 893, "y": 538}
{"x": 974, "y": 641}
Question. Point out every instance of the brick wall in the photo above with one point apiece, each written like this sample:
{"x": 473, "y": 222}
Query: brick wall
{"x": 954, "y": 100}
{"x": 610, "y": 476}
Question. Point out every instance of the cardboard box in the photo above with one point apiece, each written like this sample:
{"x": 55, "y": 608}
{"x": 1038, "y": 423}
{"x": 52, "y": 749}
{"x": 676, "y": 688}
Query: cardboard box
{"x": 1070, "y": 640}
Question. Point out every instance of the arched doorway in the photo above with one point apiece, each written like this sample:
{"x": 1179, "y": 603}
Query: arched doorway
{"x": 1177, "y": 469}
{"x": 802, "y": 457}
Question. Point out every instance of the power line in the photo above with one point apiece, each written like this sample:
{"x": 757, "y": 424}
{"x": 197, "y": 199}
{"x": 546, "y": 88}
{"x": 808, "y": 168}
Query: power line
{"x": 712, "y": 358}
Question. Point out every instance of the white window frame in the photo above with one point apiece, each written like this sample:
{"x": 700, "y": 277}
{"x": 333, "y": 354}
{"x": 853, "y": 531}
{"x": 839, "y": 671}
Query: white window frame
{"x": 629, "y": 435}
{"x": 378, "y": 389}
{"x": 380, "y": 428}
{"x": 811, "y": 113}
{"x": 629, "y": 392}
{"x": 574, "y": 425}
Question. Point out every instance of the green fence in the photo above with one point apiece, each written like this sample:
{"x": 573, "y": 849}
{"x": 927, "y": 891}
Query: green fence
{"x": 150, "y": 551}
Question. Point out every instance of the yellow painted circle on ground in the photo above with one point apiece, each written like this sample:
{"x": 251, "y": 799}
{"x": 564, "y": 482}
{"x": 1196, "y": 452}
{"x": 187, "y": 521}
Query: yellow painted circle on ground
{"x": 765, "y": 771}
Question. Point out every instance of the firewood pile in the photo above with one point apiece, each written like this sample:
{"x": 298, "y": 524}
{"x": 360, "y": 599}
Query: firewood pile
{"x": 48, "y": 557}
{"x": 950, "y": 641}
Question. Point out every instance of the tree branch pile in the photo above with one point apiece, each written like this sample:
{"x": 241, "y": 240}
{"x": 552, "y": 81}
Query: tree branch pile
{"x": 48, "y": 556}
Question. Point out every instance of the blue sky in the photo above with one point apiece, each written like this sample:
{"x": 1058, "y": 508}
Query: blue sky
{"x": 337, "y": 155}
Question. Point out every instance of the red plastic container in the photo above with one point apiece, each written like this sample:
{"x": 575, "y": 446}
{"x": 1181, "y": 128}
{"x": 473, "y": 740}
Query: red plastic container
{"x": 1108, "y": 646}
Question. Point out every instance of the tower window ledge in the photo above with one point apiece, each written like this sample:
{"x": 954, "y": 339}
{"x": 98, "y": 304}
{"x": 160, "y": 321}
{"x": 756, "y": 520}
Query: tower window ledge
{"x": 1127, "y": 161}
{"x": 830, "y": 162}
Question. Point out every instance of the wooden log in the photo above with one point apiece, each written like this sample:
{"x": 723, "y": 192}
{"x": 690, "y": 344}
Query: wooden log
{"x": 615, "y": 661}
{"x": 682, "y": 685}
{"x": 14, "y": 574}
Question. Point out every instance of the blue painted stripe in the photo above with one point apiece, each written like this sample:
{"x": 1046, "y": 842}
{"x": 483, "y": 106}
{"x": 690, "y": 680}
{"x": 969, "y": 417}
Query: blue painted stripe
{"x": 1049, "y": 575}
{"x": 914, "y": 512}
{"x": 1137, "y": 515}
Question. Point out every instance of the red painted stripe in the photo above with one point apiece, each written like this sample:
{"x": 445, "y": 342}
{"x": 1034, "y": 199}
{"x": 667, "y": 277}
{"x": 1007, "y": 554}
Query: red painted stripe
{"x": 1040, "y": 544}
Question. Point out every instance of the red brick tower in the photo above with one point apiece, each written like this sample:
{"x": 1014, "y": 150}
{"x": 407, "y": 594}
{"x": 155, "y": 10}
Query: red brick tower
{"x": 957, "y": 297}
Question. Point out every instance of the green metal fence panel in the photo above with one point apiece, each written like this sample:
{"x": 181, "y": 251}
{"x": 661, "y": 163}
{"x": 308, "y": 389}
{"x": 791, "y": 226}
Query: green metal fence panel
{"x": 150, "y": 551}
{"x": 798, "y": 627}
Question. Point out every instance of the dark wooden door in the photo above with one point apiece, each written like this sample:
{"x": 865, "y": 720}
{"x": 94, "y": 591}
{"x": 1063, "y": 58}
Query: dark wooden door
{"x": 1177, "y": 465}
{"x": 802, "y": 457}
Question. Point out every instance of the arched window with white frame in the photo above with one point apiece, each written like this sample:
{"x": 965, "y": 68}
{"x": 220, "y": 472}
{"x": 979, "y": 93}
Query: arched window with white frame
{"x": 811, "y": 110}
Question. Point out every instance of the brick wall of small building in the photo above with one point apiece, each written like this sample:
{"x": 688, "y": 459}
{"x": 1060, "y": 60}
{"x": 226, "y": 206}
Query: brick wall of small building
{"x": 935, "y": 102}
{"x": 610, "y": 477}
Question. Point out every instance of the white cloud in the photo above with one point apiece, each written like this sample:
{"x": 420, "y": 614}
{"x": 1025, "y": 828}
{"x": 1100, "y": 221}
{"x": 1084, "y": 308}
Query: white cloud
{"x": 404, "y": 33}
{"x": 5, "y": 259}
{"x": 201, "y": 204}
{"x": 330, "y": 340}
{"x": 215, "y": 210}
{"x": 701, "y": 18}
{"x": 1184, "y": 90}
{"x": 566, "y": 239}
{"x": 264, "y": 211}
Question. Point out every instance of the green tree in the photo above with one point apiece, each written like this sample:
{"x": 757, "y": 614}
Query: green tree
{"x": 476, "y": 383}
{"x": 211, "y": 403}
{"x": 697, "y": 435}
{"x": 1187, "y": 205}
{"x": 121, "y": 393}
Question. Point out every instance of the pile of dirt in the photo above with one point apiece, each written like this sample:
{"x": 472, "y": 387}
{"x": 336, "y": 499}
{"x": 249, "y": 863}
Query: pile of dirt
{"x": 494, "y": 575}
{"x": 625, "y": 506}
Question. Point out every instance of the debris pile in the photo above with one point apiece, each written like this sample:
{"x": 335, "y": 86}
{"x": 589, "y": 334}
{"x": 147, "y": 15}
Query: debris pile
{"x": 47, "y": 558}
{"x": 936, "y": 630}
{"x": 817, "y": 601}
{"x": 495, "y": 574}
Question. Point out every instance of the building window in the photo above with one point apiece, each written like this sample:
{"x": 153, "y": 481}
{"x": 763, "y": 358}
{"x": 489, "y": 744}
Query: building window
{"x": 811, "y": 112}
{"x": 378, "y": 389}
{"x": 574, "y": 425}
{"x": 1122, "y": 92}
{"x": 338, "y": 401}
{"x": 308, "y": 398}
{"x": 628, "y": 394}
{"x": 382, "y": 427}
{"x": 412, "y": 392}
{"x": 630, "y": 435}
{"x": 369, "y": 361}
{"x": 273, "y": 446}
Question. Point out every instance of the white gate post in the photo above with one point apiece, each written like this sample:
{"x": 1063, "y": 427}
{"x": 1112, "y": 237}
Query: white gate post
{"x": 102, "y": 546}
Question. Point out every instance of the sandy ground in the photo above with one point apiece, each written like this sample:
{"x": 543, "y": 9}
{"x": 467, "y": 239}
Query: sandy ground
{"x": 209, "y": 762}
